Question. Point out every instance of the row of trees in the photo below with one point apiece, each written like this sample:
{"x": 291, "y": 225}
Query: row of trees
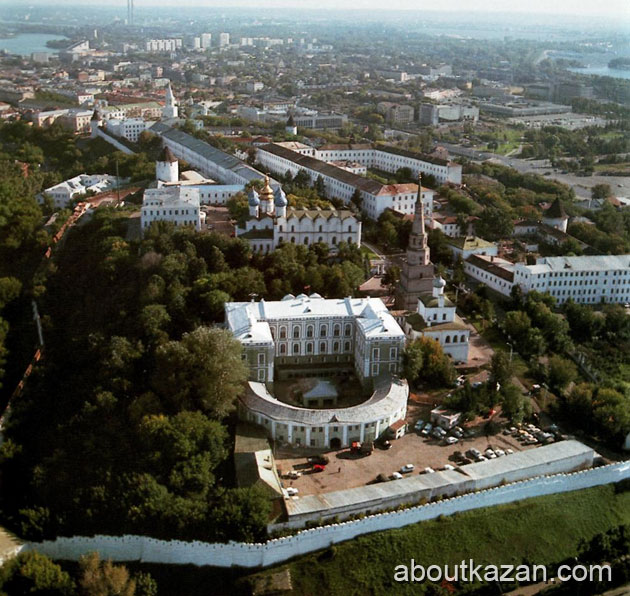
{"x": 33, "y": 573}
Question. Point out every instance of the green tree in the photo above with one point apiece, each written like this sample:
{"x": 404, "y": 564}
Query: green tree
{"x": 202, "y": 371}
{"x": 424, "y": 361}
{"x": 501, "y": 371}
{"x": 601, "y": 191}
{"x": 33, "y": 573}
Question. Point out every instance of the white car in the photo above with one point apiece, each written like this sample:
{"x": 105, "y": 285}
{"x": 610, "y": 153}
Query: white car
{"x": 291, "y": 491}
{"x": 509, "y": 451}
{"x": 406, "y": 469}
{"x": 293, "y": 474}
{"x": 429, "y": 470}
{"x": 499, "y": 452}
{"x": 451, "y": 440}
{"x": 448, "y": 467}
{"x": 489, "y": 453}
{"x": 396, "y": 476}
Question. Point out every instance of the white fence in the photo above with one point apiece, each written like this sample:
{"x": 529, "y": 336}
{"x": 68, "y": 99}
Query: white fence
{"x": 114, "y": 142}
{"x": 151, "y": 550}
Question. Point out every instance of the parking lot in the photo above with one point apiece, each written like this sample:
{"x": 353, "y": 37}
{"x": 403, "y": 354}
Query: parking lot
{"x": 348, "y": 470}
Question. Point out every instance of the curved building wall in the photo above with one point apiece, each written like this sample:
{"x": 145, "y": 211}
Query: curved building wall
{"x": 305, "y": 427}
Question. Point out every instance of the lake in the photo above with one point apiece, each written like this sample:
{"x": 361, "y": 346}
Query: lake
{"x": 27, "y": 43}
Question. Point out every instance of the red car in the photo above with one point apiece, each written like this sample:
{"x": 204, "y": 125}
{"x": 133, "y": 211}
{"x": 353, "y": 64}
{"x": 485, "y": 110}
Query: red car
{"x": 318, "y": 468}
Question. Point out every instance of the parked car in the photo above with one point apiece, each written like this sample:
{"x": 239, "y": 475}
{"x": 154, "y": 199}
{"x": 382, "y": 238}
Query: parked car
{"x": 448, "y": 467}
{"x": 396, "y": 476}
{"x": 318, "y": 468}
{"x": 384, "y": 444}
{"x": 451, "y": 440}
{"x": 438, "y": 433}
{"x": 428, "y": 471}
{"x": 509, "y": 451}
{"x": 418, "y": 425}
{"x": 457, "y": 433}
{"x": 406, "y": 469}
{"x": 319, "y": 459}
{"x": 473, "y": 453}
{"x": 482, "y": 458}
{"x": 381, "y": 478}
{"x": 291, "y": 491}
{"x": 427, "y": 429}
{"x": 499, "y": 452}
{"x": 490, "y": 454}
{"x": 293, "y": 474}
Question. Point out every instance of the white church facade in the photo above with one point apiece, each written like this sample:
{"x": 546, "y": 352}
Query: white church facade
{"x": 272, "y": 222}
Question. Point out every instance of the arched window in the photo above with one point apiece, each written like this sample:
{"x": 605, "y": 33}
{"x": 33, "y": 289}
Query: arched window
{"x": 463, "y": 339}
{"x": 349, "y": 228}
{"x": 336, "y": 347}
{"x": 283, "y": 332}
{"x": 293, "y": 239}
{"x": 283, "y": 348}
{"x": 322, "y": 347}
{"x": 309, "y": 331}
{"x": 454, "y": 339}
{"x": 296, "y": 348}
{"x": 321, "y": 228}
{"x": 296, "y": 332}
{"x": 448, "y": 339}
{"x": 347, "y": 330}
{"x": 306, "y": 240}
{"x": 320, "y": 239}
{"x": 323, "y": 330}
{"x": 346, "y": 346}
{"x": 337, "y": 330}
{"x": 334, "y": 239}
{"x": 309, "y": 347}
{"x": 293, "y": 228}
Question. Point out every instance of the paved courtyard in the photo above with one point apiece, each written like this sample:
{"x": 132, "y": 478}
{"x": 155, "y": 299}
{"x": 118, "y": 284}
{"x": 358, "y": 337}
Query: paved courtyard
{"x": 347, "y": 470}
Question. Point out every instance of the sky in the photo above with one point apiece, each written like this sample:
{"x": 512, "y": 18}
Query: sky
{"x": 605, "y": 8}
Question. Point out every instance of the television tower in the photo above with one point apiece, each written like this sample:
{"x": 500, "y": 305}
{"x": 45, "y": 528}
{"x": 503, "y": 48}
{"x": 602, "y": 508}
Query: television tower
{"x": 129, "y": 12}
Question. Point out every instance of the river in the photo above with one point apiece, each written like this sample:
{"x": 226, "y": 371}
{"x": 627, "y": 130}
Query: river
{"x": 602, "y": 71}
{"x": 27, "y": 43}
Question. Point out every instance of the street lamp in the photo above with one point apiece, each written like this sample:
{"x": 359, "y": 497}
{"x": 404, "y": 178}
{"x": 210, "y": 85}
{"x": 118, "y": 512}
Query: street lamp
{"x": 511, "y": 350}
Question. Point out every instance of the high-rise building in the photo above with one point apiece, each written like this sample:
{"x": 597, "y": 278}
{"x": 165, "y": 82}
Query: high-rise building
{"x": 224, "y": 40}
{"x": 206, "y": 40}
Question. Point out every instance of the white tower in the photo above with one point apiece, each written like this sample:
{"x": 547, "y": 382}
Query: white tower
{"x": 167, "y": 167}
{"x": 438, "y": 290}
{"x": 290, "y": 127}
{"x": 170, "y": 106}
{"x": 95, "y": 122}
{"x": 266, "y": 198}
{"x": 280, "y": 200}
{"x": 254, "y": 202}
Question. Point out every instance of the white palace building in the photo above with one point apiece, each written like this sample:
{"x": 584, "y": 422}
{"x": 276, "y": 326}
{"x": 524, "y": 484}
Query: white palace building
{"x": 308, "y": 336}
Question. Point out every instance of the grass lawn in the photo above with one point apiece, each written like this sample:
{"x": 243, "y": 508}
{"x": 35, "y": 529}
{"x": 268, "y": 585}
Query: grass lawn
{"x": 365, "y": 251}
{"x": 543, "y": 530}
